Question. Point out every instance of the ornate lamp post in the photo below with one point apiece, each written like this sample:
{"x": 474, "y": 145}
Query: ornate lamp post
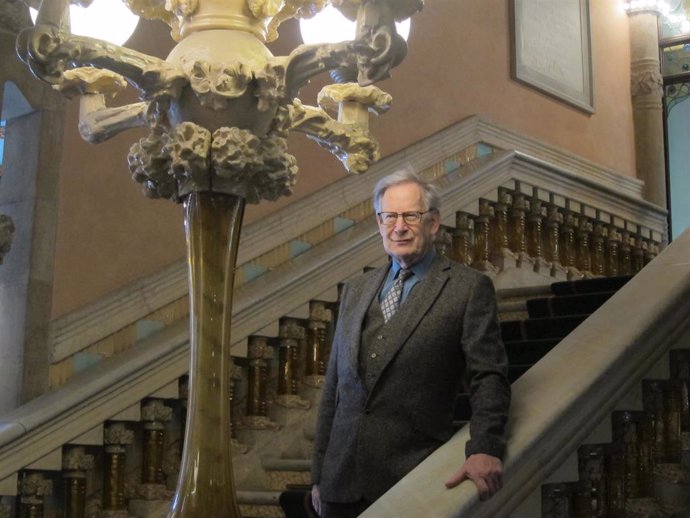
{"x": 219, "y": 109}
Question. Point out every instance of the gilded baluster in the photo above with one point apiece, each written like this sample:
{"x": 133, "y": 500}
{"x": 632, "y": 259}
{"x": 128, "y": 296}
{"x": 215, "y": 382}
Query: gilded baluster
{"x": 556, "y": 501}
{"x": 115, "y": 438}
{"x": 645, "y": 455}
{"x": 535, "y": 237}
{"x": 592, "y": 465}
{"x": 291, "y": 333}
{"x": 597, "y": 247}
{"x": 638, "y": 254}
{"x": 33, "y": 487}
{"x": 615, "y": 471}
{"x": 584, "y": 254}
{"x": 679, "y": 360}
{"x": 236, "y": 376}
{"x": 569, "y": 243}
{"x": 6, "y": 509}
{"x": 154, "y": 415}
{"x": 554, "y": 222}
{"x": 518, "y": 226}
{"x": 256, "y": 417}
{"x": 651, "y": 252}
{"x": 613, "y": 244}
{"x": 581, "y": 492}
{"x": 443, "y": 242}
{"x": 624, "y": 434}
{"x": 463, "y": 238}
{"x": 625, "y": 254}
{"x": 482, "y": 236}
{"x": 317, "y": 343}
{"x": 502, "y": 255}
{"x": 662, "y": 399}
{"x": 75, "y": 463}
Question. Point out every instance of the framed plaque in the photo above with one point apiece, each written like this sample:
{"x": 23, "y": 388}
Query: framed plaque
{"x": 552, "y": 49}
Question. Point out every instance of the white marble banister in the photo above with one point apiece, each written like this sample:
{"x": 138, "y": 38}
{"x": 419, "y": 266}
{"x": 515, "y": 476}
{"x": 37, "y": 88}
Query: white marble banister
{"x": 81, "y": 328}
{"x": 561, "y": 399}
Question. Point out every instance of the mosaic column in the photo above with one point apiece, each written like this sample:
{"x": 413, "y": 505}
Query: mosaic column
{"x": 291, "y": 333}
{"x": 646, "y": 89}
{"x": 463, "y": 241}
{"x": 482, "y": 236}
{"x": 554, "y": 221}
{"x": 75, "y": 463}
{"x": 154, "y": 415}
{"x": 33, "y": 487}
{"x": 256, "y": 417}
{"x": 638, "y": 254}
{"x": 115, "y": 437}
{"x": 625, "y": 254}
{"x": 613, "y": 245}
{"x": 317, "y": 344}
{"x": 680, "y": 370}
{"x": 502, "y": 255}
{"x": 569, "y": 244}
{"x": 592, "y": 463}
{"x": 518, "y": 228}
{"x": 598, "y": 249}
{"x": 584, "y": 252}
{"x": 535, "y": 237}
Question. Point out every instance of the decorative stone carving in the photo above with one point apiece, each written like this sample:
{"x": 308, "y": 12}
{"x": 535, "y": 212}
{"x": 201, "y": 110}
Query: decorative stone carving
{"x": 6, "y": 232}
{"x": 646, "y": 81}
{"x": 76, "y": 459}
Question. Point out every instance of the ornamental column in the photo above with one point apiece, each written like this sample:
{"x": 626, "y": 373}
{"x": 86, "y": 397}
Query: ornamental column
{"x": 646, "y": 88}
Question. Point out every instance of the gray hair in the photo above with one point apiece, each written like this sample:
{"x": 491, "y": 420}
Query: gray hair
{"x": 430, "y": 195}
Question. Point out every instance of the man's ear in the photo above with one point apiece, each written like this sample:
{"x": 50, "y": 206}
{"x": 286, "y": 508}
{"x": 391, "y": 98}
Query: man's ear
{"x": 435, "y": 221}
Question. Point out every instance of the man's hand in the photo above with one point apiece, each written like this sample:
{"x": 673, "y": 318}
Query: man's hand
{"x": 316, "y": 499}
{"x": 486, "y": 471}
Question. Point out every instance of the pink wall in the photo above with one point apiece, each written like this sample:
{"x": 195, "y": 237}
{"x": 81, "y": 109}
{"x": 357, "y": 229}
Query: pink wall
{"x": 458, "y": 65}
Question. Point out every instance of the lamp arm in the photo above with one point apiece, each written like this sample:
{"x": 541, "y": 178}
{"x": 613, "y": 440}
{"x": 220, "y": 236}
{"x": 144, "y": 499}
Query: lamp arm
{"x": 49, "y": 52}
{"x": 352, "y": 144}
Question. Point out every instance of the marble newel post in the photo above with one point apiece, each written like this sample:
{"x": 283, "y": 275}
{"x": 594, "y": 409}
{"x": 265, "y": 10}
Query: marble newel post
{"x": 646, "y": 85}
{"x": 219, "y": 110}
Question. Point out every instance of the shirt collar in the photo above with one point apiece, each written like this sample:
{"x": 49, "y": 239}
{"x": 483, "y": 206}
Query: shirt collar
{"x": 420, "y": 268}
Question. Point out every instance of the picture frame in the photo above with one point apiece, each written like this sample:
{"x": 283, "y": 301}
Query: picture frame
{"x": 552, "y": 49}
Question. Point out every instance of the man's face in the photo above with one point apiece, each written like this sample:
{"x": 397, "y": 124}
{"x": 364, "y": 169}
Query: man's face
{"x": 407, "y": 243}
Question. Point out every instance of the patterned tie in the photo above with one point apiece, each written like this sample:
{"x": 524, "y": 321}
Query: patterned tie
{"x": 391, "y": 302}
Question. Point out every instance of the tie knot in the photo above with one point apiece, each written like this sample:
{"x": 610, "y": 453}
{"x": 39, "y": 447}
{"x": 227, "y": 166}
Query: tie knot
{"x": 404, "y": 274}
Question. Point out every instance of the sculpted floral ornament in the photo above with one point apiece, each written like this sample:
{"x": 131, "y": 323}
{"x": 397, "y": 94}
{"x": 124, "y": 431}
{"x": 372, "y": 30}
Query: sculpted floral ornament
{"x": 220, "y": 107}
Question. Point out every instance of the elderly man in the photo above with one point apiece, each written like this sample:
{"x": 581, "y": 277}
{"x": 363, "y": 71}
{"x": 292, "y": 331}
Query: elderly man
{"x": 406, "y": 334}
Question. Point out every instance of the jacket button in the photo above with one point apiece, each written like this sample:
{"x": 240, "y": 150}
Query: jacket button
{"x": 373, "y": 355}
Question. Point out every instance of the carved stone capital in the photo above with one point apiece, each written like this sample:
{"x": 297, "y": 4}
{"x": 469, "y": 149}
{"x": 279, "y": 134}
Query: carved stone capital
{"x": 76, "y": 459}
{"x": 257, "y": 347}
{"x": 117, "y": 434}
{"x": 155, "y": 411}
{"x": 34, "y": 485}
{"x": 319, "y": 313}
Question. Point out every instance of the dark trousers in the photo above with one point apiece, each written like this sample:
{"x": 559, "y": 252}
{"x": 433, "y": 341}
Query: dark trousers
{"x": 346, "y": 510}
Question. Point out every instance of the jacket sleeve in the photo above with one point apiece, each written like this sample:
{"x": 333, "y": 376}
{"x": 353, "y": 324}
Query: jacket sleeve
{"x": 487, "y": 372}
{"x": 324, "y": 421}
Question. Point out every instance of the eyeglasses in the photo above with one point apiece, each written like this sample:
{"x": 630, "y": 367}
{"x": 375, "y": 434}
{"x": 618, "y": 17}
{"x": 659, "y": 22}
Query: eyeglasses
{"x": 391, "y": 218}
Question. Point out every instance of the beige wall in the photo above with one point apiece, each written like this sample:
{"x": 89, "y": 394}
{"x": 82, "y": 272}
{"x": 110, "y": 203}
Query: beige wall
{"x": 458, "y": 65}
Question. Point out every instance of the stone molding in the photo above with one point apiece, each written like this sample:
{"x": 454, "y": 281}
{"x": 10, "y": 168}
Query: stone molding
{"x": 112, "y": 386}
{"x": 81, "y": 328}
{"x": 563, "y": 398}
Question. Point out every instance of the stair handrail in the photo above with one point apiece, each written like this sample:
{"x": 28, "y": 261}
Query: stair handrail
{"x": 561, "y": 399}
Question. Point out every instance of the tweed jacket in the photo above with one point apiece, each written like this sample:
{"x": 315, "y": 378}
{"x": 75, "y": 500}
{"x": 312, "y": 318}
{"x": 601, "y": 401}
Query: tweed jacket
{"x": 367, "y": 441}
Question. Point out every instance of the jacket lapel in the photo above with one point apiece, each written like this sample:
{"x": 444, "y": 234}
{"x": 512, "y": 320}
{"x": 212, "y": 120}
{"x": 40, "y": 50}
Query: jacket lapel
{"x": 417, "y": 305}
{"x": 364, "y": 296}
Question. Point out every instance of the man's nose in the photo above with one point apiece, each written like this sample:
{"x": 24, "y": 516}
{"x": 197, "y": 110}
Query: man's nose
{"x": 400, "y": 224}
